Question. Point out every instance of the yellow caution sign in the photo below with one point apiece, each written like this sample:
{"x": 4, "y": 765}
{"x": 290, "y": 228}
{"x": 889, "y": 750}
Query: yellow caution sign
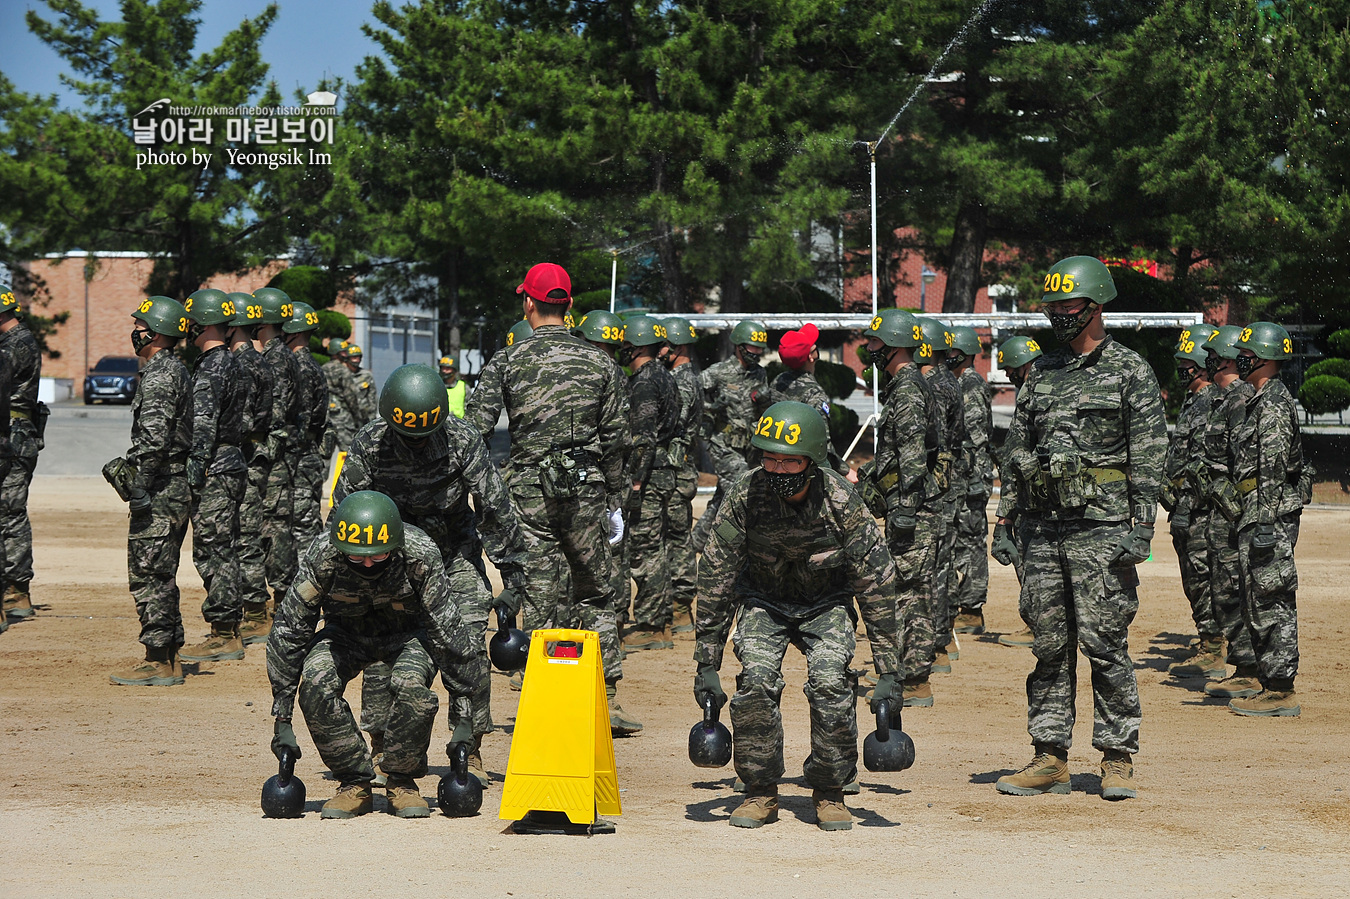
{"x": 562, "y": 752}
{"x": 337, "y": 470}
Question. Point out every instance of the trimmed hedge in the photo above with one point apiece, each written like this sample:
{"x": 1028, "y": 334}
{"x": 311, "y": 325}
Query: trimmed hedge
{"x": 1337, "y": 368}
{"x": 1325, "y": 394}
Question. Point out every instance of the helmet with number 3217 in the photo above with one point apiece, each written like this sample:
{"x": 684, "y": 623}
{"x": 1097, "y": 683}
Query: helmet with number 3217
{"x": 366, "y": 523}
{"x": 413, "y": 400}
{"x": 793, "y": 428}
{"x": 1266, "y": 340}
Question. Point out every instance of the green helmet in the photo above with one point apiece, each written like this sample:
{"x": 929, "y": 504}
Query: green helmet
{"x": 519, "y": 331}
{"x": 1191, "y": 344}
{"x": 303, "y": 318}
{"x": 751, "y": 332}
{"x": 1266, "y": 340}
{"x": 210, "y": 307}
{"x": 413, "y": 400}
{"x": 1223, "y": 342}
{"x": 794, "y": 428}
{"x": 644, "y": 330}
{"x": 601, "y": 326}
{"x": 247, "y": 310}
{"x": 366, "y": 523}
{"x": 679, "y": 331}
{"x": 895, "y": 328}
{"x": 965, "y": 340}
{"x": 336, "y": 346}
{"x": 276, "y": 306}
{"x": 936, "y": 341}
{"x": 164, "y": 315}
{"x": 1017, "y": 352}
{"x": 1079, "y": 276}
{"x": 9, "y": 300}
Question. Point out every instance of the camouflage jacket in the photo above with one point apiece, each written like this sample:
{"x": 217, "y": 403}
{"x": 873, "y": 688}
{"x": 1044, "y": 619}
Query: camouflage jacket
{"x": 431, "y": 484}
{"x": 1215, "y": 442}
{"x": 285, "y": 380}
{"x": 161, "y": 420}
{"x": 653, "y": 418}
{"x": 6, "y": 376}
{"x": 410, "y": 595}
{"x": 733, "y": 399}
{"x": 25, "y": 359}
{"x": 1267, "y": 454}
{"x": 257, "y": 381}
{"x": 795, "y": 560}
{"x": 218, "y": 400}
{"x": 976, "y": 399}
{"x": 800, "y": 386}
{"x": 312, "y": 411}
{"x": 1098, "y": 421}
{"x": 1183, "y": 447}
{"x": 952, "y": 437}
{"x": 342, "y": 401}
{"x": 560, "y": 393}
{"x": 683, "y": 452}
{"x": 907, "y": 446}
{"x": 367, "y": 397}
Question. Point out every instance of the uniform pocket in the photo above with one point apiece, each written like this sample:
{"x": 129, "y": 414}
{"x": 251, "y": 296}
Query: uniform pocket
{"x": 1100, "y": 425}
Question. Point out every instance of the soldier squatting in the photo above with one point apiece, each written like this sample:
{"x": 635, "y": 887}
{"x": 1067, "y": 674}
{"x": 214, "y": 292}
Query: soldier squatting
{"x": 606, "y": 422}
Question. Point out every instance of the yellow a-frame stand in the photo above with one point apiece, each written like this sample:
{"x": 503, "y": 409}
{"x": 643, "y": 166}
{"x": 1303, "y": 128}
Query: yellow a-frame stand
{"x": 337, "y": 471}
{"x": 562, "y": 751}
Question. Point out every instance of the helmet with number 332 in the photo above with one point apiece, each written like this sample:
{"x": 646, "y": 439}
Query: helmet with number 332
{"x": 366, "y": 523}
{"x": 414, "y": 401}
{"x": 793, "y": 428}
{"x": 750, "y": 332}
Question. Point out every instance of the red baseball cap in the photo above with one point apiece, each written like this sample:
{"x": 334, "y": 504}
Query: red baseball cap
{"x": 543, "y": 282}
{"x": 795, "y": 347}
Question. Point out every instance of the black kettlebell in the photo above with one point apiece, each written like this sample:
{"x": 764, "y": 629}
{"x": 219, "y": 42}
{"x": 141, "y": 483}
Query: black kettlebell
{"x": 709, "y": 740}
{"x": 890, "y": 748}
{"x": 283, "y": 796}
{"x": 509, "y": 647}
{"x": 459, "y": 793}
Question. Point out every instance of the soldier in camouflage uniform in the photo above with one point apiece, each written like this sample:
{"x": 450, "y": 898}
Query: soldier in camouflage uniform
{"x": 216, "y": 473}
{"x": 367, "y": 397}
{"x": 25, "y": 420}
{"x": 790, "y": 548}
{"x": 430, "y": 471}
{"x": 649, "y": 481}
{"x": 310, "y": 462}
{"x": 562, "y": 400}
{"x": 1085, "y": 451}
{"x": 899, "y": 487}
{"x": 1188, "y": 507}
{"x": 732, "y": 402}
{"x": 278, "y": 537}
{"x": 6, "y": 451}
{"x": 1274, "y": 483}
{"x": 342, "y": 400}
{"x": 680, "y": 336}
{"x": 800, "y": 354}
{"x": 382, "y": 591}
{"x": 971, "y": 555}
{"x": 157, "y": 490}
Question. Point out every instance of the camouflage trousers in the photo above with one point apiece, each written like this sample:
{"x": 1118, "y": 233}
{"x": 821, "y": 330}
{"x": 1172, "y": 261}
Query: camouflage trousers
{"x": 569, "y": 537}
{"x": 943, "y": 572}
{"x": 250, "y": 550}
{"x": 307, "y": 494}
{"x": 971, "y": 560}
{"x": 278, "y": 538}
{"x": 1269, "y": 585}
{"x": 1190, "y": 538}
{"x": 760, "y": 642}
{"x": 332, "y": 662}
{"x": 914, "y": 613}
{"x": 648, "y": 558}
{"x": 472, "y": 595}
{"x": 680, "y": 539}
{"x": 728, "y": 464}
{"x": 1225, "y": 589}
{"x": 154, "y": 542}
{"x": 16, "y": 530}
{"x": 215, "y": 534}
{"x": 1072, "y": 597}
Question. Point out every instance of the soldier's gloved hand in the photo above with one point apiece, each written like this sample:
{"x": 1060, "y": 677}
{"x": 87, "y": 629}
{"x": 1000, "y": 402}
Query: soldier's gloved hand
{"x": 1004, "y": 548}
{"x": 508, "y": 604}
{"x": 887, "y": 688}
{"x": 632, "y": 502}
{"x": 707, "y": 683}
{"x": 615, "y": 519}
{"x": 196, "y": 473}
{"x": 283, "y": 737}
{"x": 1133, "y": 548}
{"x": 901, "y": 530}
{"x": 463, "y": 733}
{"x": 1263, "y": 540}
{"x": 138, "y": 499}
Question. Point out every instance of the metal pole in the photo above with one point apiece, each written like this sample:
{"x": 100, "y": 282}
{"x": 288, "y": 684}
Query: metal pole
{"x": 876, "y": 376}
{"x": 613, "y": 278}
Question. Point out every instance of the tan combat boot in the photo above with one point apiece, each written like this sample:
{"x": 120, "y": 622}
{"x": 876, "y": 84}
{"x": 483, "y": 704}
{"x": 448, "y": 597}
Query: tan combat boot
{"x": 953, "y": 649}
{"x": 759, "y": 808}
{"x": 621, "y": 724}
{"x": 647, "y": 638}
{"x": 224, "y": 645}
{"x": 517, "y": 681}
{"x": 1117, "y": 775}
{"x": 942, "y": 663}
{"x": 1047, "y": 773}
{"x": 160, "y": 669}
{"x": 1239, "y": 685}
{"x": 969, "y": 621}
{"x": 404, "y": 799}
{"x": 476, "y": 762}
{"x": 831, "y": 813}
{"x": 1268, "y": 704}
{"x": 352, "y": 799}
{"x": 918, "y": 695}
{"x": 1022, "y": 638}
{"x": 377, "y": 757}
{"x": 1208, "y": 661}
{"x": 256, "y": 625}
{"x": 17, "y": 602}
{"x": 683, "y": 622}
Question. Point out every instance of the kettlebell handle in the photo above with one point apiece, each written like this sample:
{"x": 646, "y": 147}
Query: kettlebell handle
{"x": 883, "y": 720}
{"x": 709, "y": 710}
{"x": 285, "y": 766}
{"x": 504, "y": 621}
{"x": 462, "y": 762}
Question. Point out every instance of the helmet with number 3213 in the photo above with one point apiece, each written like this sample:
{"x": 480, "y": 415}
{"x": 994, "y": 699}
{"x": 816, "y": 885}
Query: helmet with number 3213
{"x": 793, "y": 428}
{"x": 413, "y": 400}
{"x": 366, "y": 523}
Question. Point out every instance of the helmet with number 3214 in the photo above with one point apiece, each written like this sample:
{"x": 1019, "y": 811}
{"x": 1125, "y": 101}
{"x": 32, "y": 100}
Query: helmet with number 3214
{"x": 366, "y": 523}
{"x": 413, "y": 400}
{"x": 793, "y": 428}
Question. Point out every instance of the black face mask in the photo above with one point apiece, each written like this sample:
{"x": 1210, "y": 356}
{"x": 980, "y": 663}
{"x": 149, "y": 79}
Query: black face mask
{"x": 955, "y": 362}
{"x": 788, "y": 485}
{"x": 1016, "y": 379}
{"x": 141, "y": 339}
{"x": 878, "y": 358}
{"x": 195, "y": 331}
{"x": 375, "y": 570}
{"x": 751, "y": 359}
{"x": 1067, "y": 326}
{"x": 626, "y": 355}
{"x": 1212, "y": 363}
{"x": 1248, "y": 364}
{"x": 1186, "y": 374}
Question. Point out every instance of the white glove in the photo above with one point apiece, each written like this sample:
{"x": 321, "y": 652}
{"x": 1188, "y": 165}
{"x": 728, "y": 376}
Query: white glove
{"x": 615, "y": 526}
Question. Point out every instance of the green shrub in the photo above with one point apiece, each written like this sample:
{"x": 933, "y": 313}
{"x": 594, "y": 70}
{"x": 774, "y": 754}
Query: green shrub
{"x": 1325, "y": 394}
{"x": 838, "y": 381}
{"x": 843, "y": 426}
{"x": 1337, "y": 368}
{"x": 307, "y": 284}
{"x": 1339, "y": 343}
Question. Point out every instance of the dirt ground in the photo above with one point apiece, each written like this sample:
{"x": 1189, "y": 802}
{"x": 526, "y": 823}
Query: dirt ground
{"x": 122, "y": 791}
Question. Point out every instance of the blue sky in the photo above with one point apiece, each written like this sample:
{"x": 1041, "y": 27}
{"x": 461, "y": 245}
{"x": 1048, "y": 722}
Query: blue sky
{"x": 310, "y": 39}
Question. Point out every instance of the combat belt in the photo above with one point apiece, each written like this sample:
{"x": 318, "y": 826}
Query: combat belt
{"x": 561, "y": 473}
{"x": 1062, "y": 481}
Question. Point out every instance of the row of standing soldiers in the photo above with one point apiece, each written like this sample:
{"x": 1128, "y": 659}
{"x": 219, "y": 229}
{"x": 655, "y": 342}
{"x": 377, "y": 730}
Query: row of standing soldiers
{"x": 23, "y": 420}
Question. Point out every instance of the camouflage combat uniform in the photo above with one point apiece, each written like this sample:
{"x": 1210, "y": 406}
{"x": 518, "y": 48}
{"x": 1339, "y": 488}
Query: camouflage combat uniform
{"x": 1101, "y": 415}
{"x": 732, "y": 403}
{"x": 1268, "y": 467}
{"x": 367, "y": 398}
{"x": 653, "y": 416}
{"x": 561, "y": 395}
{"x": 404, "y": 616}
{"x": 801, "y": 386}
{"x": 972, "y": 523}
{"x": 684, "y": 454}
{"x": 951, "y": 475}
{"x": 6, "y": 453}
{"x": 1221, "y": 539}
{"x": 255, "y": 380}
{"x": 431, "y": 481}
{"x": 787, "y": 574}
{"x": 342, "y": 407}
{"x": 278, "y": 537}
{"x": 16, "y": 531}
{"x": 310, "y": 464}
{"x": 218, "y": 400}
{"x": 1189, "y": 520}
{"x": 161, "y": 437}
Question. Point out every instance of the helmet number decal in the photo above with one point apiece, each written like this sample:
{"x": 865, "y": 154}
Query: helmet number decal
{"x": 227, "y": 307}
{"x": 311, "y": 318}
{"x": 411, "y": 419}
{"x": 351, "y": 532}
{"x": 7, "y": 299}
{"x": 876, "y": 324}
{"x": 771, "y": 427}
{"x": 660, "y": 331}
{"x": 252, "y": 311}
{"x": 187, "y": 304}
{"x": 287, "y": 310}
{"x": 1033, "y": 346}
{"x": 1000, "y": 358}
{"x": 609, "y": 332}
{"x": 918, "y": 333}
{"x": 948, "y": 336}
{"x": 757, "y": 336}
{"x": 182, "y": 325}
{"x": 1246, "y": 335}
{"x": 1288, "y": 347}
{"x": 147, "y": 305}
{"x": 1055, "y": 283}
{"x": 1187, "y": 346}
{"x": 510, "y": 338}
{"x": 925, "y": 351}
